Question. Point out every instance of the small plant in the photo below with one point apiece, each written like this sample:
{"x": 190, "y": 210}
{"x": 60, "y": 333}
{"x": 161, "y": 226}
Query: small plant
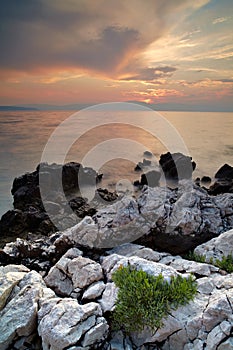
{"x": 195, "y": 257}
{"x": 144, "y": 300}
{"x": 226, "y": 263}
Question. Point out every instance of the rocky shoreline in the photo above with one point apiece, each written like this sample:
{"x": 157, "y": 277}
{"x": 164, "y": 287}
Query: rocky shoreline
{"x": 56, "y": 289}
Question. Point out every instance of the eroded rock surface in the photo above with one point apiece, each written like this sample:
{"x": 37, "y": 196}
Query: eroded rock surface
{"x": 171, "y": 220}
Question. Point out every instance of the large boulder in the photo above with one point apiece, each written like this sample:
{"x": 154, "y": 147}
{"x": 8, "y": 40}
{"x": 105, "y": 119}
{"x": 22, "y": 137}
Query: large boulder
{"x": 151, "y": 178}
{"x": 224, "y": 181}
{"x": 31, "y": 214}
{"x": 177, "y": 166}
{"x": 225, "y": 172}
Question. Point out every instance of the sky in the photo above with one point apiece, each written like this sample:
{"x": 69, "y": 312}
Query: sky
{"x": 84, "y": 51}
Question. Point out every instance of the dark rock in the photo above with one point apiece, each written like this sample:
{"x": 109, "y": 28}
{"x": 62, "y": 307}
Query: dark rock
{"x": 151, "y": 178}
{"x": 225, "y": 172}
{"x": 206, "y": 179}
{"x": 106, "y": 195}
{"x": 138, "y": 168}
{"x": 13, "y": 223}
{"x": 197, "y": 181}
{"x": 146, "y": 162}
{"x": 148, "y": 154}
{"x": 177, "y": 166}
{"x": 29, "y": 214}
{"x": 221, "y": 186}
{"x": 81, "y": 208}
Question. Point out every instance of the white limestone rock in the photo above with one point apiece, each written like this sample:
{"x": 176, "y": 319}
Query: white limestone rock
{"x": 217, "y": 334}
{"x": 94, "y": 290}
{"x": 19, "y": 316}
{"x": 72, "y": 273}
{"x": 63, "y": 322}
{"x": 130, "y": 249}
{"x": 108, "y": 300}
{"x": 217, "y": 247}
{"x": 112, "y": 263}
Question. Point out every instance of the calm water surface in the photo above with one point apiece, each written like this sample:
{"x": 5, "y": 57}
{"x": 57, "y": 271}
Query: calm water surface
{"x": 23, "y": 136}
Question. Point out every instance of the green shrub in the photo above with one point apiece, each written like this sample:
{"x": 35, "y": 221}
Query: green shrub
{"x": 226, "y": 263}
{"x": 144, "y": 300}
{"x": 195, "y": 257}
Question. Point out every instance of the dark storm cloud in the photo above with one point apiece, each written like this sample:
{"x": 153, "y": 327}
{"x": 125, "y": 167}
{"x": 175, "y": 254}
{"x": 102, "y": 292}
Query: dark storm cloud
{"x": 81, "y": 34}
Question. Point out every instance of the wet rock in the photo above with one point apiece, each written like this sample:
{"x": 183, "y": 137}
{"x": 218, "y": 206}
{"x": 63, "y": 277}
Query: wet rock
{"x": 225, "y": 172}
{"x": 137, "y": 168}
{"x": 220, "y": 187}
{"x": 29, "y": 213}
{"x": 148, "y": 154}
{"x": 146, "y": 162}
{"x": 224, "y": 183}
{"x": 177, "y": 166}
{"x": 151, "y": 178}
{"x": 206, "y": 179}
{"x": 13, "y": 223}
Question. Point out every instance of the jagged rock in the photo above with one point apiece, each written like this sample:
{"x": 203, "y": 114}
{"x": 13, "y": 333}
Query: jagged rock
{"x": 182, "y": 265}
{"x": 112, "y": 262}
{"x": 192, "y": 325}
{"x": 217, "y": 247}
{"x": 72, "y": 273}
{"x": 29, "y": 213}
{"x": 177, "y": 166}
{"x": 221, "y": 186}
{"x": 171, "y": 220}
{"x": 18, "y": 318}
{"x": 108, "y": 300}
{"x": 10, "y": 275}
{"x": 217, "y": 335}
{"x": 64, "y": 323}
{"x": 94, "y": 290}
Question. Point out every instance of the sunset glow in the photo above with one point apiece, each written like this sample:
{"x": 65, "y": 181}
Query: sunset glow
{"x": 67, "y": 52}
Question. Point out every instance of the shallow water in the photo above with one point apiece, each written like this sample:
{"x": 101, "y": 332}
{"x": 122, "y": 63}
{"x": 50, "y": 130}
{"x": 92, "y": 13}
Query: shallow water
{"x": 112, "y": 149}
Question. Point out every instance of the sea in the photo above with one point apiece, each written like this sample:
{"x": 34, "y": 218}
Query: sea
{"x": 111, "y": 142}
